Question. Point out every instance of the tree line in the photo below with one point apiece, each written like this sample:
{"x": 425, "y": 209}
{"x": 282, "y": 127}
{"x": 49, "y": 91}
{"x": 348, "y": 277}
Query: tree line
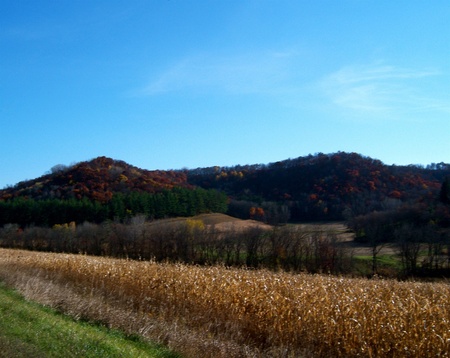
{"x": 420, "y": 242}
{"x": 289, "y": 248}
{"x": 420, "y": 249}
{"x": 166, "y": 203}
{"x": 420, "y": 233}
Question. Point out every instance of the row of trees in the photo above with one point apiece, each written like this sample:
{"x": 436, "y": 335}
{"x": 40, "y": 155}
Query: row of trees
{"x": 421, "y": 249}
{"x": 420, "y": 232}
{"x": 167, "y": 203}
{"x": 189, "y": 241}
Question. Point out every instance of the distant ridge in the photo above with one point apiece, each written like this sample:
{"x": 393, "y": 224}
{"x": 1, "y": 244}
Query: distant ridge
{"x": 320, "y": 186}
{"x": 324, "y": 186}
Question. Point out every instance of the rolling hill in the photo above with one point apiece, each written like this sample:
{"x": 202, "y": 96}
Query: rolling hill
{"x": 323, "y": 186}
{"x": 97, "y": 179}
{"x": 314, "y": 187}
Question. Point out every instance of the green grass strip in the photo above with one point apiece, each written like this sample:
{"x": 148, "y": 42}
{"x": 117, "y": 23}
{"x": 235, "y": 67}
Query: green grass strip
{"x": 30, "y": 330}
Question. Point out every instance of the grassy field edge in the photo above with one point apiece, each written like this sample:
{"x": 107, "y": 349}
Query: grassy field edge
{"x": 28, "y": 329}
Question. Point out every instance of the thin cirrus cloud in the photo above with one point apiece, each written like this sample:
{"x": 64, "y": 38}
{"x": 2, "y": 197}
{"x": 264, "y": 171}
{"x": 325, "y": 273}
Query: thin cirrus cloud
{"x": 239, "y": 74}
{"x": 385, "y": 90}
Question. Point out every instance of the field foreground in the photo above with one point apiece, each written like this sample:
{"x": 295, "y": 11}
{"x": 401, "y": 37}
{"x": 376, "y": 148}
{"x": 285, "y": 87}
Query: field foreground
{"x": 29, "y": 330}
{"x": 222, "y": 312}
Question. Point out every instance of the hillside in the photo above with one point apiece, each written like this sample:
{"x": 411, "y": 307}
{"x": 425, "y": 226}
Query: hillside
{"x": 323, "y": 186}
{"x": 315, "y": 187}
{"x": 97, "y": 179}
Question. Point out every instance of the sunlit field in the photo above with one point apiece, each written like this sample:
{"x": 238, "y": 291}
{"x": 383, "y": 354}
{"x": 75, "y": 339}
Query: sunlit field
{"x": 236, "y": 312}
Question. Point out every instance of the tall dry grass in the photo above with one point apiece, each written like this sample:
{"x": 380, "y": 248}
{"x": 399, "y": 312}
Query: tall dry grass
{"x": 235, "y": 312}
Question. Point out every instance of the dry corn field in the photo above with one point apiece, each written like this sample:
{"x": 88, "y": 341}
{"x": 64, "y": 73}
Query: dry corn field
{"x": 216, "y": 311}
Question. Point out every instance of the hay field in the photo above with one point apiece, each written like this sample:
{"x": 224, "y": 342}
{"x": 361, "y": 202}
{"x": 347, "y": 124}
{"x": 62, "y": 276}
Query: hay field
{"x": 222, "y": 312}
{"x": 220, "y": 222}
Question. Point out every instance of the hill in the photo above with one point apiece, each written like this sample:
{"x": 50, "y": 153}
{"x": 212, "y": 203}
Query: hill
{"x": 314, "y": 187}
{"x": 104, "y": 189}
{"x": 97, "y": 179}
{"x": 323, "y": 186}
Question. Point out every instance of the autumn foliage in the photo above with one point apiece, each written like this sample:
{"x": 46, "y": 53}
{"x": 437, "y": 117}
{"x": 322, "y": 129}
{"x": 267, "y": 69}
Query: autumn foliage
{"x": 98, "y": 179}
{"x": 333, "y": 186}
{"x": 325, "y": 186}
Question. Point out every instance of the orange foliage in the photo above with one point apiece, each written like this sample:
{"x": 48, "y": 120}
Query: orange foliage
{"x": 395, "y": 194}
{"x": 257, "y": 213}
{"x": 97, "y": 180}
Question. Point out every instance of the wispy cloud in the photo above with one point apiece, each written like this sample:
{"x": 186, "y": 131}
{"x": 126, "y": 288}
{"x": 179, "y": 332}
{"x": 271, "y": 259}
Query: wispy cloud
{"x": 383, "y": 90}
{"x": 235, "y": 74}
{"x": 362, "y": 91}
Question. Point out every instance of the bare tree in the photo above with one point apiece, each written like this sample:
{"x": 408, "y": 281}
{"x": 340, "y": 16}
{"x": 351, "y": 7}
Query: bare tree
{"x": 408, "y": 239}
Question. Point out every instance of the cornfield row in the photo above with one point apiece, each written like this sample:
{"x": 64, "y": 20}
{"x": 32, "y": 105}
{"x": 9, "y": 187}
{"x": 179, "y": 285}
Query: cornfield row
{"x": 312, "y": 315}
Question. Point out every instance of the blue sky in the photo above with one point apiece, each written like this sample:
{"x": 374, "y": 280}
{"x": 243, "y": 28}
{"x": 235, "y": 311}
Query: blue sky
{"x": 168, "y": 84}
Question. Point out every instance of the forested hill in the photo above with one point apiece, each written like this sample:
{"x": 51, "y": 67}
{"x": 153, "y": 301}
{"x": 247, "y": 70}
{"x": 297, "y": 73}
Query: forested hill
{"x": 314, "y": 187}
{"x": 104, "y": 189}
{"x": 97, "y": 180}
{"x": 324, "y": 186}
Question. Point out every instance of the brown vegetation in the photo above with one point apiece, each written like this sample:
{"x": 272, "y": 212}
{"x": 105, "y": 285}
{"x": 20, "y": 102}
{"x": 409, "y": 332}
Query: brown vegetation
{"x": 97, "y": 180}
{"x": 235, "y": 312}
{"x": 211, "y": 239}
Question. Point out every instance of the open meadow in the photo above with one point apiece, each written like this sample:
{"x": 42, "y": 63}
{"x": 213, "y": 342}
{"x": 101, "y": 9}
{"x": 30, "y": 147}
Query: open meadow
{"x": 230, "y": 312}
